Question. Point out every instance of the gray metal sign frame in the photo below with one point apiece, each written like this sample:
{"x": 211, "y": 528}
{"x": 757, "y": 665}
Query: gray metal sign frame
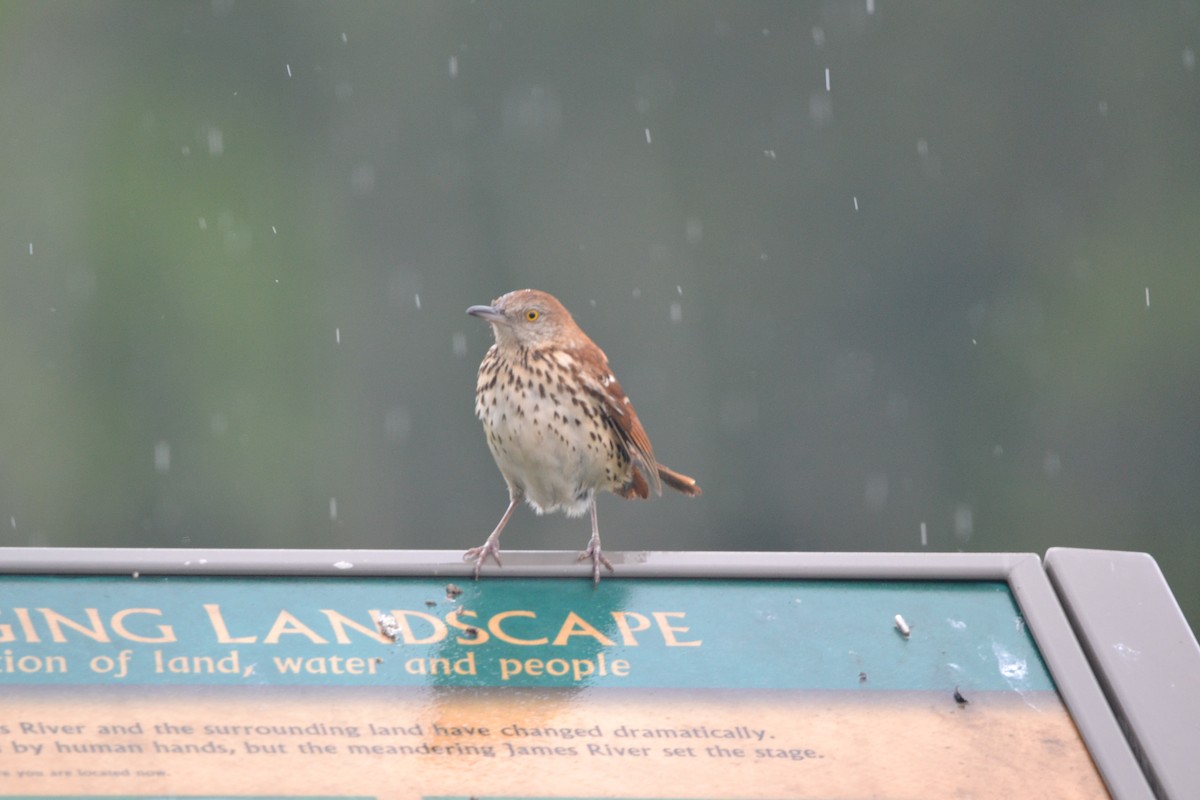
{"x": 1058, "y": 642}
{"x": 1144, "y": 654}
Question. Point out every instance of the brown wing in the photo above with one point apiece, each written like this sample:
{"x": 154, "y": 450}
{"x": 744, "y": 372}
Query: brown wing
{"x": 601, "y": 384}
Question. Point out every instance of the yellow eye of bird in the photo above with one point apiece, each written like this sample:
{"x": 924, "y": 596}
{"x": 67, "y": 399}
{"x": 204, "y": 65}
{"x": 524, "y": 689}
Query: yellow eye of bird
{"x": 532, "y": 315}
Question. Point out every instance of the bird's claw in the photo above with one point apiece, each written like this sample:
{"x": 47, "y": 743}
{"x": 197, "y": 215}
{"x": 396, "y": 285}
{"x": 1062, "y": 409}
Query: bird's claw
{"x": 596, "y": 555}
{"x": 480, "y": 554}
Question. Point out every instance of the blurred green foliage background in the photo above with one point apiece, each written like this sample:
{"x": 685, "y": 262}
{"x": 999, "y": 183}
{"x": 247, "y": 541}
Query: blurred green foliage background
{"x": 868, "y": 269}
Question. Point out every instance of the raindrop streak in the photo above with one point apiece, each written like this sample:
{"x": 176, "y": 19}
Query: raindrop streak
{"x": 333, "y": 508}
{"x": 964, "y": 522}
{"x": 31, "y": 248}
{"x": 397, "y": 423}
{"x": 417, "y": 300}
{"x": 162, "y": 456}
{"x": 216, "y": 141}
{"x": 924, "y": 535}
{"x": 870, "y": 6}
{"x": 289, "y": 69}
{"x": 827, "y": 79}
{"x": 676, "y": 312}
{"x": 337, "y": 335}
{"x": 362, "y": 179}
{"x": 876, "y": 492}
{"x": 453, "y": 66}
{"x": 1147, "y": 297}
{"x": 856, "y": 202}
{"x": 1052, "y": 465}
{"x": 647, "y": 136}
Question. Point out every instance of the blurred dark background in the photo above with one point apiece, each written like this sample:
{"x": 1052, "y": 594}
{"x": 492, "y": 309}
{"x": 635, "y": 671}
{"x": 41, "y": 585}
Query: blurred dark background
{"x": 871, "y": 271}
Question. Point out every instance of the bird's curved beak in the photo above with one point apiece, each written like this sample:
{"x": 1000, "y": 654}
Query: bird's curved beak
{"x": 486, "y": 313}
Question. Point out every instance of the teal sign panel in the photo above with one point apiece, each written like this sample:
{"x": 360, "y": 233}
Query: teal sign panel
{"x": 422, "y": 632}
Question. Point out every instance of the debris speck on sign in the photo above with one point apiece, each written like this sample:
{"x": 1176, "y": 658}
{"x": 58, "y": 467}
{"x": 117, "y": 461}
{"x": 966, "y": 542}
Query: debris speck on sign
{"x": 388, "y": 626}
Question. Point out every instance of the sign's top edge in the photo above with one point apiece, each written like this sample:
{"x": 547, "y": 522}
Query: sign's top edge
{"x": 517, "y": 563}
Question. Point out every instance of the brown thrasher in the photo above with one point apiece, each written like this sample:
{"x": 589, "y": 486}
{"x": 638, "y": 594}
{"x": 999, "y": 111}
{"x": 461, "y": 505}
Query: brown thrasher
{"x": 558, "y": 424}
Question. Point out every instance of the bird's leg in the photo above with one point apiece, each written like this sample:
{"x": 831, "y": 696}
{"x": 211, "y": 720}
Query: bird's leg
{"x": 491, "y": 547}
{"x": 593, "y": 550}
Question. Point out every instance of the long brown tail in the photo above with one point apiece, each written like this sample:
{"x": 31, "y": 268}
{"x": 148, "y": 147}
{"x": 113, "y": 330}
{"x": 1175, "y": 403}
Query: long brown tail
{"x": 678, "y": 481}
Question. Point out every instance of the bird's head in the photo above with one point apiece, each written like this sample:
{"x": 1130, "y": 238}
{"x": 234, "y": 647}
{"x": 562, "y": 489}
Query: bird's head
{"x": 527, "y": 318}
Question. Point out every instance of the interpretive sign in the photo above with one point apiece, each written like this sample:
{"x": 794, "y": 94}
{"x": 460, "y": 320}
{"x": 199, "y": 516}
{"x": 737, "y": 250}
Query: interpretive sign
{"x": 411, "y": 687}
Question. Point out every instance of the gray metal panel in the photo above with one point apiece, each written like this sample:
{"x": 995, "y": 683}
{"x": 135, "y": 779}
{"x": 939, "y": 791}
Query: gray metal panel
{"x": 1023, "y": 572}
{"x": 1144, "y": 654}
{"x": 1076, "y": 683}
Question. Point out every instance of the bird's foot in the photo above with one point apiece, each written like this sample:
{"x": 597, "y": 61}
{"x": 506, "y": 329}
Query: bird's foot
{"x": 480, "y": 554}
{"x": 596, "y": 555}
